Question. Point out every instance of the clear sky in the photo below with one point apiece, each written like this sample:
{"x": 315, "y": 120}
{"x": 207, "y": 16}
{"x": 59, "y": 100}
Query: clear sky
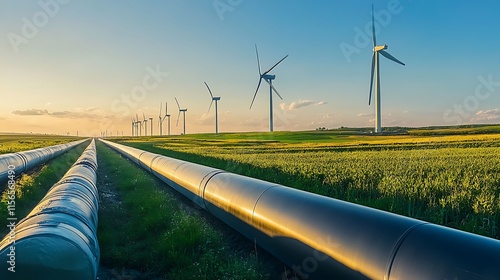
{"x": 88, "y": 66}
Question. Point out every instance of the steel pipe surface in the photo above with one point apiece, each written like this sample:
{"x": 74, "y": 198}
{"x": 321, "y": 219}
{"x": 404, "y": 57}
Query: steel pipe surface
{"x": 57, "y": 240}
{"x": 326, "y": 238}
{"x": 23, "y": 161}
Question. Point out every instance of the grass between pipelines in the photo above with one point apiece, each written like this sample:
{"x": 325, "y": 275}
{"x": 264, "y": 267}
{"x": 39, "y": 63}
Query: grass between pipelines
{"x": 143, "y": 226}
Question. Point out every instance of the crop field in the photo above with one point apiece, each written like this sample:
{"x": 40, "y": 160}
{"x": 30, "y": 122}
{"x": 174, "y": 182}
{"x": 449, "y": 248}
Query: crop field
{"x": 447, "y": 179}
{"x": 11, "y": 143}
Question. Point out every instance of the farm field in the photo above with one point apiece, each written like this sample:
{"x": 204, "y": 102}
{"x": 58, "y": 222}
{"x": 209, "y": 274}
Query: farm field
{"x": 443, "y": 178}
{"x": 11, "y": 143}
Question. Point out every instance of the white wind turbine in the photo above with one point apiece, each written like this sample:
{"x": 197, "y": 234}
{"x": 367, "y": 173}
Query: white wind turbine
{"x": 216, "y": 99}
{"x": 133, "y": 125}
{"x": 160, "y": 121}
{"x": 375, "y": 68}
{"x": 167, "y": 116}
{"x": 183, "y": 116}
{"x": 151, "y": 123}
{"x": 145, "y": 122}
{"x": 269, "y": 79}
{"x": 139, "y": 127}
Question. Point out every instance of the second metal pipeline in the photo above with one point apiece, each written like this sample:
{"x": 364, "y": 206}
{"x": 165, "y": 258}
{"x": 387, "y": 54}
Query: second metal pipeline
{"x": 326, "y": 238}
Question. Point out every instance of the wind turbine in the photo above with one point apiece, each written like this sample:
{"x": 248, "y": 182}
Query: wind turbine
{"x": 183, "y": 117}
{"x": 216, "y": 99}
{"x": 375, "y": 67}
{"x": 145, "y": 122}
{"x": 151, "y": 122}
{"x": 160, "y": 121}
{"x": 167, "y": 116}
{"x": 269, "y": 79}
{"x": 139, "y": 126}
{"x": 133, "y": 124}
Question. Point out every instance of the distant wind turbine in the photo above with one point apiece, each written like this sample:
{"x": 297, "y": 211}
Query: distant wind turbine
{"x": 145, "y": 122}
{"x": 133, "y": 125}
{"x": 183, "y": 116}
{"x": 139, "y": 125}
{"x": 160, "y": 121}
{"x": 269, "y": 79}
{"x": 216, "y": 99}
{"x": 167, "y": 116}
{"x": 151, "y": 122}
{"x": 375, "y": 68}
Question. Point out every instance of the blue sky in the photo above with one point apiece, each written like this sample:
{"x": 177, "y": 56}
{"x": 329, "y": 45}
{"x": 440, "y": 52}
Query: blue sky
{"x": 82, "y": 65}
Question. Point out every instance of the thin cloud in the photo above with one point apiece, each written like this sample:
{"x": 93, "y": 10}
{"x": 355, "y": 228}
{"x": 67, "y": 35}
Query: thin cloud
{"x": 364, "y": 115}
{"x": 487, "y": 115}
{"x": 31, "y": 112}
{"x": 57, "y": 114}
{"x": 299, "y": 104}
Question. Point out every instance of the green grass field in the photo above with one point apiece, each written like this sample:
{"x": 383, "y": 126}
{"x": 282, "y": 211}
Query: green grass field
{"x": 442, "y": 177}
{"x": 11, "y": 143}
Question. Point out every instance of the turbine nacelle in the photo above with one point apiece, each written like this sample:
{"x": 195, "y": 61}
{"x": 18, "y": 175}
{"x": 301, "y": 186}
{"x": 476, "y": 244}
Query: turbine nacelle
{"x": 269, "y": 77}
{"x": 379, "y": 48}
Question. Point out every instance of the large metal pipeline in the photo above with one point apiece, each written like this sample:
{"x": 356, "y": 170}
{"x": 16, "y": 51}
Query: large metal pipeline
{"x": 23, "y": 161}
{"x": 326, "y": 238}
{"x": 57, "y": 240}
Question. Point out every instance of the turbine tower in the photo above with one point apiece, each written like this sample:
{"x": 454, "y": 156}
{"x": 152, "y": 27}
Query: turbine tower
{"x": 183, "y": 116}
{"x": 151, "y": 122}
{"x": 375, "y": 68}
{"x": 160, "y": 122}
{"x": 139, "y": 125}
{"x": 133, "y": 125}
{"x": 167, "y": 116}
{"x": 269, "y": 79}
{"x": 145, "y": 122}
{"x": 216, "y": 99}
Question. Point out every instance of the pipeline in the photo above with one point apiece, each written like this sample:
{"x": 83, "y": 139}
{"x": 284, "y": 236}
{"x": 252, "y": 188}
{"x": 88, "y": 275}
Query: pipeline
{"x": 20, "y": 162}
{"x": 57, "y": 240}
{"x": 326, "y": 238}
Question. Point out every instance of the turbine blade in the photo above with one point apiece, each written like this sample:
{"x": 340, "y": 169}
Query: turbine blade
{"x": 178, "y": 116}
{"x": 260, "y": 81}
{"x": 387, "y": 55}
{"x": 144, "y": 117}
{"x": 210, "y": 107}
{"x": 258, "y": 61}
{"x": 371, "y": 80}
{"x": 373, "y": 29}
{"x": 274, "y": 89}
{"x": 161, "y": 104}
{"x": 275, "y": 65}
{"x": 177, "y": 103}
{"x": 166, "y": 108}
{"x": 209, "y": 90}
